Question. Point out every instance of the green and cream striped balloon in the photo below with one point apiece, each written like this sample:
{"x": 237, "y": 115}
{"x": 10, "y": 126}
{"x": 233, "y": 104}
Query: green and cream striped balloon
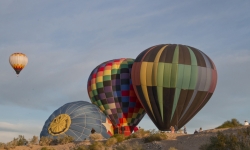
{"x": 173, "y": 82}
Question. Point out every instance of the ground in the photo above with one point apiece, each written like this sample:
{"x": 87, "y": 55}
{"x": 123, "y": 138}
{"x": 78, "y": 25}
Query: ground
{"x": 177, "y": 140}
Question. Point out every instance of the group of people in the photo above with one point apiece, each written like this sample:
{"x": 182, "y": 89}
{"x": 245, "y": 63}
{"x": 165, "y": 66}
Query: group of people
{"x": 175, "y": 129}
{"x": 196, "y": 131}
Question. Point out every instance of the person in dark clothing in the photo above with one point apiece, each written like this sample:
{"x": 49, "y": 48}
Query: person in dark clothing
{"x": 175, "y": 128}
{"x": 185, "y": 130}
{"x": 92, "y": 131}
{"x": 195, "y": 132}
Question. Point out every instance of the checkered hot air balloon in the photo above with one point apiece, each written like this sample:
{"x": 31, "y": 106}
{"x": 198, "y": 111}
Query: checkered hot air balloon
{"x": 173, "y": 83}
{"x": 110, "y": 88}
{"x": 77, "y": 119}
{"x": 18, "y": 61}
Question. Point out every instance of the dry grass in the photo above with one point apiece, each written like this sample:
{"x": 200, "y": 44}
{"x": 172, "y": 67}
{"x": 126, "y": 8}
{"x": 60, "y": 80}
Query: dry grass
{"x": 156, "y": 136}
{"x": 34, "y": 140}
{"x": 81, "y": 147}
{"x": 45, "y": 141}
{"x": 111, "y": 141}
{"x": 172, "y": 148}
{"x": 19, "y": 141}
{"x": 47, "y": 148}
{"x": 141, "y": 133}
{"x": 65, "y": 139}
{"x": 97, "y": 146}
{"x": 95, "y": 137}
{"x": 119, "y": 137}
{"x": 135, "y": 146}
{"x": 238, "y": 141}
{"x": 2, "y": 145}
{"x": 174, "y": 141}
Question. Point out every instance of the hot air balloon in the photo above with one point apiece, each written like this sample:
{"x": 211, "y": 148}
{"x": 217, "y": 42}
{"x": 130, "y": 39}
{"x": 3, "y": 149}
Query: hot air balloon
{"x": 18, "y": 61}
{"x": 110, "y": 88}
{"x": 77, "y": 119}
{"x": 173, "y": 83}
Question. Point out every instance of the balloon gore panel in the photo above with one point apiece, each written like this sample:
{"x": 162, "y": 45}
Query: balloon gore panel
{"x": 173, "y": 82}
{"x": 77, "y": 119}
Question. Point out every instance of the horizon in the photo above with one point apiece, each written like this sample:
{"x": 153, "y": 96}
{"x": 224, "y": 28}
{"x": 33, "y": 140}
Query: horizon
{"x": 65, "y": 40}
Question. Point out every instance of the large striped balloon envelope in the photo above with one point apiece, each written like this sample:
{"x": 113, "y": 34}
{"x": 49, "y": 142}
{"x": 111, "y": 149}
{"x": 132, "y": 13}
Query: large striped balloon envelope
{"x": 173, "y": 83}
{"x": 110, "y": 88}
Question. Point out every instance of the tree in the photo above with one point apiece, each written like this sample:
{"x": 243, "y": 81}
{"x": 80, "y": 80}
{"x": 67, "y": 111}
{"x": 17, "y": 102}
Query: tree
{"x": 34, "y": 140}
{"x": 230, "y": 124}
{"x": 21, "y": 140}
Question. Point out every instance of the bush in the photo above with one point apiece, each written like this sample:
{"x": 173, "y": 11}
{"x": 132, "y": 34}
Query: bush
{"x": 47, "y": 148}
{"x": 181, "y": 131}
{"x": 111, "y": 141}
{"x": 97, "y": 146}
{"x": 230, "y": 124}
{"x": 9, "y": 146}
{"x": 134, "y": 146}
{"x": 82, "y": 147}
{"x": 34, "y": 140}
{"x": 139, "y": 134}
{"x": 45, "y": 141}
{"x": 239, "y": 141}
{"x": 119, "y": 137}
{"x": 95, "y": 137}
{"x": 2, "y": 145}
{"x": 65, "y": 139}
{"x": 155, "y": 136}
{"x": 21, "y": 140}
{"x": 172, "y": 148}
{"x": 15, "y": 142}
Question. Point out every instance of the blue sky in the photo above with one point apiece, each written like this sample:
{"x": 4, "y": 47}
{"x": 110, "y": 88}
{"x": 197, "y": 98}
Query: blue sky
{"x": 64, "y": 40}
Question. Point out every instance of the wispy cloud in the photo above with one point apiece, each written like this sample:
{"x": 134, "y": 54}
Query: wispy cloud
{"x": 8, "y": 130}
{"x": 65, "y": 41}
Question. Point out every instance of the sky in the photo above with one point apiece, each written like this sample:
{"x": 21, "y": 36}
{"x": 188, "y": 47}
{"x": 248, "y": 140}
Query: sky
{"x": 64, "y": 40}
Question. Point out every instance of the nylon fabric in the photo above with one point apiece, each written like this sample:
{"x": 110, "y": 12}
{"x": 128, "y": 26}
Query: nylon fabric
{"x": 115, "y": 94}
{"x": 173, "y": 82}
{"x": 77, "y": 119}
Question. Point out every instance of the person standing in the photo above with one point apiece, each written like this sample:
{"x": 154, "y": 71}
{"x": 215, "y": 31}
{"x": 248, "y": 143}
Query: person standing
{"x": 172, "y": 129}
{"x": 200, "y": 129}
{"x": 175, "y": 128}
{"x": 185, "y": 130}
{"x": 195, "y": 132}
{"x": 246, "y": 123}
{"x": 92, "y": 131}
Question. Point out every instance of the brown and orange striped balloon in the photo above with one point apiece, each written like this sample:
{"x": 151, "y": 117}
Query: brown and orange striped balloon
{"x": 18, "y": 61}
{"x": 173, "y": 82}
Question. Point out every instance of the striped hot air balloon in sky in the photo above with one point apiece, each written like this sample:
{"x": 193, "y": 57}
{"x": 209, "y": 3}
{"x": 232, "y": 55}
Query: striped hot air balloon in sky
{"x": 18, "y": 61}
{"x": 110, "y": 88}
{"x": 173, "y": 83}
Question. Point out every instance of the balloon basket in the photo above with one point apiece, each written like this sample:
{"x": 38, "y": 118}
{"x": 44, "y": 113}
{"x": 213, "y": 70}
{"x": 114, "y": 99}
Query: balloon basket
{"x": 125, "y": 130}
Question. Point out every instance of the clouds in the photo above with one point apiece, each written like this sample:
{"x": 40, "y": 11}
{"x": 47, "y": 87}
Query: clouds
{"x": 9, "y": 131}
{"x": 233, "y": 73}
{"x": 65, "y": 40}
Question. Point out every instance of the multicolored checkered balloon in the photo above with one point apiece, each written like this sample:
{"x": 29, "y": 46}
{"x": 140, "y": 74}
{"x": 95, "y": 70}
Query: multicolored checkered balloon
{"x": 110, "y": 88}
